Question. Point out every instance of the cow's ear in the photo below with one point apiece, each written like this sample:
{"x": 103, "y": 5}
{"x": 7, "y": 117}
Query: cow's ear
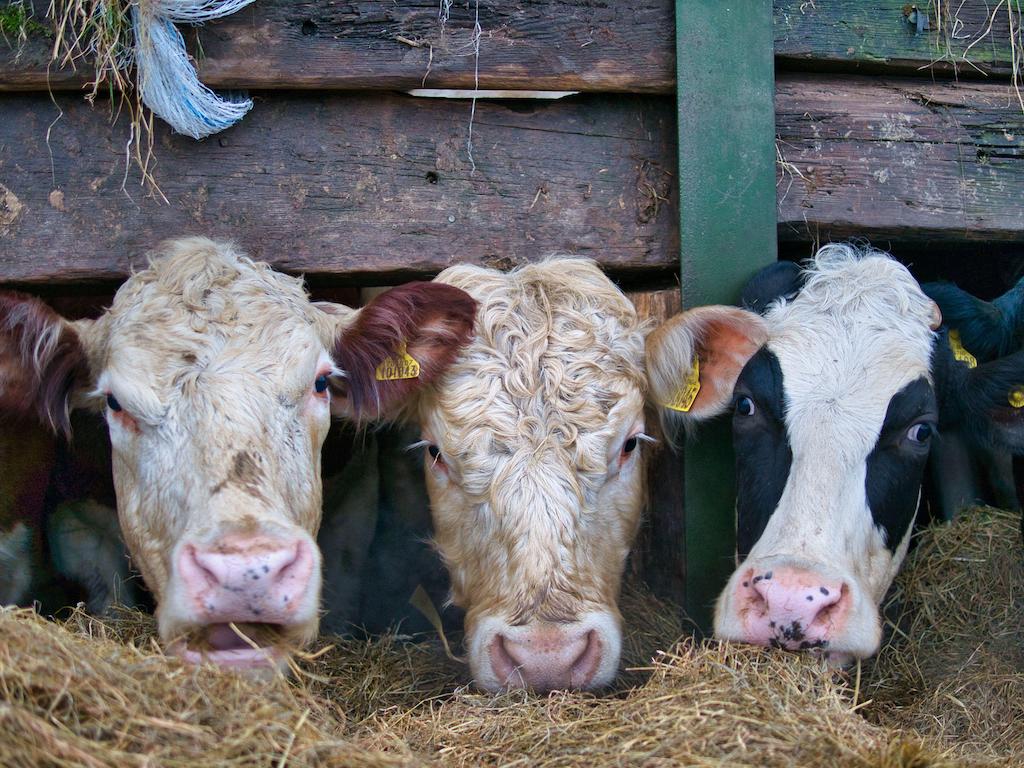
{"x": 400, "y": 342}
{"x": 694, "y": 359}
{"x": 779, "y": 280}
{"x": 42, "y": 362}
{"x": 982, "y": 326}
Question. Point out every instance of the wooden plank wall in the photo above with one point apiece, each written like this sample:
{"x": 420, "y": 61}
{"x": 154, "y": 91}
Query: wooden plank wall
{"x": 322, "y": 179}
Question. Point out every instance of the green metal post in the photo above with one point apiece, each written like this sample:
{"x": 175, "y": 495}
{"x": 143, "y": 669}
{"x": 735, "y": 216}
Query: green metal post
{"x": 726, "y": 78}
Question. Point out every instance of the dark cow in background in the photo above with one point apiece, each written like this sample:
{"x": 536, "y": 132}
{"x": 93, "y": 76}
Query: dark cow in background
{"x": 979, "y": 332}
{"x": 26, "y": 458}
{"x": 56, "y": 549}
{"x": 217, "y": 377}
{"x": 83, "y": 538}
{"x": 378, "y": 530}
{"x": 837, "y": 390}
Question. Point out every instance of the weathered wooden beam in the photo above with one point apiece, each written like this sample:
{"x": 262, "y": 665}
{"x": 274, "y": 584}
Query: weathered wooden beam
{"x": 586, "y": 45}
{"x": 968, "y": 38}
{"x": 369, "y": 188}
{"x": 902, "y": 159}
{"x": 349, "y": 186}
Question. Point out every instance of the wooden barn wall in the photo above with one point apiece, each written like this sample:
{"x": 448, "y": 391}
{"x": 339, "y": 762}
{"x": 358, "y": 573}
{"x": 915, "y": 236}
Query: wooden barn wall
{"x": 377, "y": 186}
{"x": 371, "y": 187}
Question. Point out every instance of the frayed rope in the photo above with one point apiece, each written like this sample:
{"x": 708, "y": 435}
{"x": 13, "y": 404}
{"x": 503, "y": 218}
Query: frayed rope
{"x": 167, "y": 80}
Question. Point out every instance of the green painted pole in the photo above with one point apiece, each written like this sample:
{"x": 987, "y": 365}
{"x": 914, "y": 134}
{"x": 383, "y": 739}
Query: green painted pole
{"x": 727, "y": 225}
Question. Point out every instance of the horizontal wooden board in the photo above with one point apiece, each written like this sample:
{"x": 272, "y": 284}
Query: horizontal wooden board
{"x": 379, "y": 187}
{"x": 362, "y": 187}
{"x": 901, "y": 159}
{"x": 969, "y": 38}
{"x": 586, "y": 45}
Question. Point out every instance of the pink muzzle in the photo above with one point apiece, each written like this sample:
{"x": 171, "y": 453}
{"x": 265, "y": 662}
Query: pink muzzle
{"x": 246, "y": 579}
{"x": 791, "y": 608}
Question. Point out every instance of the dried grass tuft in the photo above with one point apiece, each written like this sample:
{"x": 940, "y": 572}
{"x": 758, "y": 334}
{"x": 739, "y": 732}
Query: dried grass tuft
{"x": 99, "y": 34}
{"x": 954, "y": 670}
{"x": 945, "y": 15}
{"x": 99, "y": 693}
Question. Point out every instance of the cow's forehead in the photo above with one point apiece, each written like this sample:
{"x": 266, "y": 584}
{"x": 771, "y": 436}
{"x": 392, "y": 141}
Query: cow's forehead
{"x": 557, "y": 360}
{"x": 200, "y": 306}
{"x": 857, "y": 333}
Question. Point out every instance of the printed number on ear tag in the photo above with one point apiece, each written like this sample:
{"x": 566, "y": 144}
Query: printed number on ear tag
{"x": 1016, "y": 397}
{"x": 960, "y": 352}
{"x": 686, "y": 394}
{"x": 401, "y": 366}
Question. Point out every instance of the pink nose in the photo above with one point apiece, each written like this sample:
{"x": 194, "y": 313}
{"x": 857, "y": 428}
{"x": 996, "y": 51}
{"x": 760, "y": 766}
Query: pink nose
{"x": 251, "y": 579}
{"x": 546, "y": 659}
{"x": 791, "y": 608}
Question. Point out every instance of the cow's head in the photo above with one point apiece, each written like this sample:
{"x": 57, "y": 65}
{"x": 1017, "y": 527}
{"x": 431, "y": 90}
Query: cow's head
{"x": 533, "y": 451}
{"x": 836, "y": 393}
{"x": 217, "y": 377}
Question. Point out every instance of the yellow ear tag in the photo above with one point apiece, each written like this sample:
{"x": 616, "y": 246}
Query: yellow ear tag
{"x": 401, "y": 366}
{"x": 959, "y": 352}
{"x": 1016, "y": 397}
{"x": 683, "y": 399}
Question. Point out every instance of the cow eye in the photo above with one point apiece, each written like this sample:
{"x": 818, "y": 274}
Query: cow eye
{"x": 920, "y": 433}
{"x": 320, "y": 385}
{"x": 112, "y": 404}
{"x": 435, "y": 452}
{"x": 630, "y": 445}
{"x": 745, "y": 406}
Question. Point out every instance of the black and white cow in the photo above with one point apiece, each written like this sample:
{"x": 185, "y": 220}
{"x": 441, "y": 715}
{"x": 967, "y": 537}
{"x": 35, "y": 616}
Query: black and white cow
{"x": 837, "y": 388}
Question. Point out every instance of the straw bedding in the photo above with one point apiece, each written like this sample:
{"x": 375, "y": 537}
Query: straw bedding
{"x": 85, "y": 692}
{"x": 954, "y": 669}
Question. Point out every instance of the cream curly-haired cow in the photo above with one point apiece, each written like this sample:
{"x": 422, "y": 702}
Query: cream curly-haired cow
{"x": 217, "y": 377}
{"x": 535, "y": 471}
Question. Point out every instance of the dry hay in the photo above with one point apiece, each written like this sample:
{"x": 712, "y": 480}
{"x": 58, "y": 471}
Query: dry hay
{"x": 948, "y": 690}
{"x": 95, "y": 693}
{"x": 954, "y": 670}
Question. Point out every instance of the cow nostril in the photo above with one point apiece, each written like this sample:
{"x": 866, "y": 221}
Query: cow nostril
{"x": 755, "y": 592}
{"x": 586, "y": 664}
{"x": 288, "y": 566}
{"x": 504, "y": 664}
{"x": 830, "y": 601}
{"x": 196, "y": 561}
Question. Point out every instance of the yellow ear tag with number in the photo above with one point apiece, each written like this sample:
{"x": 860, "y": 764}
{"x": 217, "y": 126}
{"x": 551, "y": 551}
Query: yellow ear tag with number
{"x": 1016, "y": 397}
{"x": 401, "y": 366}
{"x": 959, "y": 352}
{"x": 683, "y": 399}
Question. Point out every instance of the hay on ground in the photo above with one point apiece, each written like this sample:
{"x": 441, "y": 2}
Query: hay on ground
{"x": 85, "y": 692}
{"x": 954, "y": 670}
{"x": 947, "y": 690}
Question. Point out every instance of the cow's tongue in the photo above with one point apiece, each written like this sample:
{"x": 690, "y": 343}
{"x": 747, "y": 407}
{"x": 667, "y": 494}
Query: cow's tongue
{"x": 221, "y": 637}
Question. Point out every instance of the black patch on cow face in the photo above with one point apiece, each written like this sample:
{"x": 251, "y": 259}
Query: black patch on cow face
{"x": 763, "y": 452}
{"x": 895, "y": 466}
